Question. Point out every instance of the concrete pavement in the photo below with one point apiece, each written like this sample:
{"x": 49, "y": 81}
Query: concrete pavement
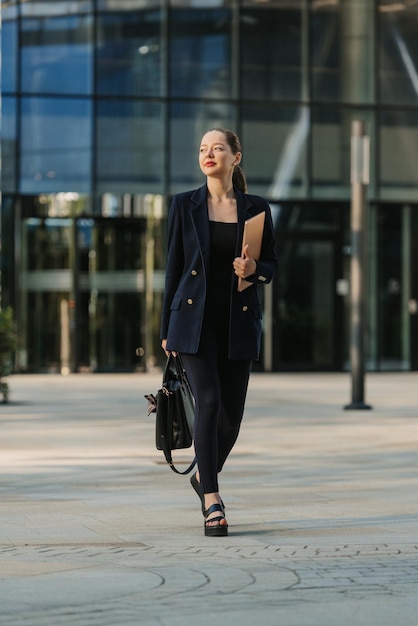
{"x": 95, "y": 530}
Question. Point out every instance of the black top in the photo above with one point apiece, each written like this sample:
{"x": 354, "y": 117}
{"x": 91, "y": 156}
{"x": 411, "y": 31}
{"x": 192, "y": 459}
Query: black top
{"x": 222, "y": 253}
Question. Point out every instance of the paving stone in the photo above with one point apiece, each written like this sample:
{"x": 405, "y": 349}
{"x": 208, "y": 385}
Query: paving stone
{"x": 95, "y": 530}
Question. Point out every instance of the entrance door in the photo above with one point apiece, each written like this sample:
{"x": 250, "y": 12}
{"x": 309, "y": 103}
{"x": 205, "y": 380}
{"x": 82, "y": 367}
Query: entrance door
{"x": 119, "y": 289}
{"x": 110, "y": 293}
{"x": 309, "y": 304}
{"x": 89, "y": 294}
{"x": 46, "y": 292}
{"x": 395, "y": 320}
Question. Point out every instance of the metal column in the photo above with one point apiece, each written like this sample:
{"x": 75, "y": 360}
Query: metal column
{"x": 360, "y": 159}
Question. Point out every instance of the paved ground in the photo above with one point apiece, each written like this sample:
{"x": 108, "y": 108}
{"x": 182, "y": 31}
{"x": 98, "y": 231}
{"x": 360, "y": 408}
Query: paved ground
{"x": 322, "y": 504}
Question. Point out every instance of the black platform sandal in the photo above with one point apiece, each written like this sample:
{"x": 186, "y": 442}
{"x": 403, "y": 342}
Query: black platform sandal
{"x": 217, "y": 530}
{"x": 196, "y": 486}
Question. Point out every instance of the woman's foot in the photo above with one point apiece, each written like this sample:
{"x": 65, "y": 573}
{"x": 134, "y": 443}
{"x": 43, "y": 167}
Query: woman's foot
{"x": 195, "y": 483}
{"x": 214, "y": 514}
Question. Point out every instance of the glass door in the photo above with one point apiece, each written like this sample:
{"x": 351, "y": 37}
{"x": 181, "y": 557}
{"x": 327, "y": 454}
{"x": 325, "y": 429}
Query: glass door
{"x": 46, "y": 311}
{"x": 309, "y": 304}
{"x": 110, "y": 293}
{"x": 394, "y": 315}
{"x": 90, "y": 293}
{"x": 118, "y": 293}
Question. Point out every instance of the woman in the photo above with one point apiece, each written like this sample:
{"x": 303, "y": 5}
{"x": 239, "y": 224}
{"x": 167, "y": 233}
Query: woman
{"x": 215, "y": 327}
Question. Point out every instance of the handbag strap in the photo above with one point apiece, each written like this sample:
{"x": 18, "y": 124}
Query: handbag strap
{"x": 169, "y": 458}
{"x": 174, "y": 468}
{"x": 174, "y": 366}
{"x": 175, "y": 363}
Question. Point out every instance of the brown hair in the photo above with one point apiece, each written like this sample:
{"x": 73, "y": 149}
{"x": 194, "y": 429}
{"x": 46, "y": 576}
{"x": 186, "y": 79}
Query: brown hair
{"x": 238, "y": 177}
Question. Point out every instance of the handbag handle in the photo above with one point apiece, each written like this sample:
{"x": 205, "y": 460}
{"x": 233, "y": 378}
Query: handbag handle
{"x": 174, "y": 468}
{"x": 175, "y": 362}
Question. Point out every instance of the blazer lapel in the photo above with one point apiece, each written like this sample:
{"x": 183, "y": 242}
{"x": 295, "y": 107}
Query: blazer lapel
{"x": 200, "y": 220}
{"x": 243, "y": 207}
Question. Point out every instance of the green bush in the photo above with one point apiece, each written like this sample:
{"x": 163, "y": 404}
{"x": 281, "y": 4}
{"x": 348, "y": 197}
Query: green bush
{"x": 8, "y": 345}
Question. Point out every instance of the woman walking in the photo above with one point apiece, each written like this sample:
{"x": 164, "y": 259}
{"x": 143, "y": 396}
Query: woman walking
{"x": 215, "y": 327}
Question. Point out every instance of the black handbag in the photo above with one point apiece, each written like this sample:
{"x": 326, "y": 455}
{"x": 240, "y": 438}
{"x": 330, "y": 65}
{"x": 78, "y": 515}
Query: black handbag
{"x": 174, "y": 409}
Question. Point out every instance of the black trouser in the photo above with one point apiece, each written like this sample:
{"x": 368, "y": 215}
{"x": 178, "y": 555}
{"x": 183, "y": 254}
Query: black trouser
{"x": 219, "y": 386}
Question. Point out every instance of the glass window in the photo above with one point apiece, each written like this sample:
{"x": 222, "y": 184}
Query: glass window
{"x": 342, "y": 51}
{"x": 326, "y": 51}
{"x": 271, "y": 51}
{"x": 398, "y": 77}
{"x": 130, "y": 146}
{"x": 126, "y": 5}
{"x": 331, "y": 141}
{"x": 129, "y": 53}
{"x": 274, "y": 149}
{"x": 55, "y": 7}
{"x": 56, "y": 55}
{"x": 8, "y": 144}
{"x": 390, "y": 284}
{"x": 8, "y": 7}
{"x": 55, "y": 145}
{"x": 8, "y": 55}
{"x": 188, "y": 124}
{"x": 306, "y": 310}
{"x": 48, "y": 243}
{"x": 399, "y": 154}
{"x": 330, "y": 166}
{"x": 200, "y": 53}
{"x": 309, "y": 217}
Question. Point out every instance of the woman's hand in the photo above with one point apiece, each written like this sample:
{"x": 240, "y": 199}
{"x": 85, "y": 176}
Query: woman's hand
{"x": 163, "y": 345}
{"x": 244, "y": 266}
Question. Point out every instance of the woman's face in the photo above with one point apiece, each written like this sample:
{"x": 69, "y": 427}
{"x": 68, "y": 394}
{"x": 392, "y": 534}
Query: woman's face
{"x": 215, "y": 155}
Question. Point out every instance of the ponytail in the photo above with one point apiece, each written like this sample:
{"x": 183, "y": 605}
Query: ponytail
{"x": 238, "y": 179}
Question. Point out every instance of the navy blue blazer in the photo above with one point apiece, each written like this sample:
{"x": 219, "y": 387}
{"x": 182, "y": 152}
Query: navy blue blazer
{"x": 187, "y": 271}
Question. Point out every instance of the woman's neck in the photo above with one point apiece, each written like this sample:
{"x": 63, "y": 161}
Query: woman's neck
{"x": 220, "y": 190}
{"x": 222, "y": 205}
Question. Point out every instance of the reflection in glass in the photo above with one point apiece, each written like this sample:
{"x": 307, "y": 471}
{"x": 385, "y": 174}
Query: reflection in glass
{"x": 271, "y": 52}
{"x": 326, "y": 51}
{"x": 399, "y": 153}
{"x": 55, "y": 145}
{"x": 46, "y": 285}
{"x": 390, "y": 281}
{"x": 274, "y": 146}
{"x": 8, "y": 8}
{"x": 126, "y": 5}
{"x": 312, "y": 218}
{"x": 330, "y": 167}
{"x": 8, "y": 144}
{"x": 56, "y": 55}
{"x": 331, "y": 150}
{"x": 343, "y": 44}
{"x": 306, "y": 308}
{"x": 399, "y": 55}
{"x": 8, "y": 55}
{"x": 129, "y": 53}
{"x": 54, "y": 7}
{"x": 130, "y": 146}
{"x": 200, "y": 53}
{"x": 47, "y": 244}
{"x": 111, "y": 302}
{"x": 188, "y": 124}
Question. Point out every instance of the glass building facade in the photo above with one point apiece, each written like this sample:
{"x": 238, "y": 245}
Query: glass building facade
{"x": 103, "y": 106}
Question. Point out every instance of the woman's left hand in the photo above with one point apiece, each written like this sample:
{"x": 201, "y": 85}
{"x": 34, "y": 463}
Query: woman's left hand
{"x": 244, "y": 266}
